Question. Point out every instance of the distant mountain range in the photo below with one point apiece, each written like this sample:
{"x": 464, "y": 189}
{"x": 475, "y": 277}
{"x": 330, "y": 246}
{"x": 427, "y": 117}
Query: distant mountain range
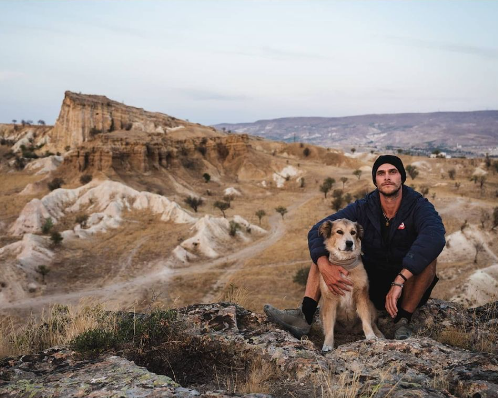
{"x": 465, "y": 132}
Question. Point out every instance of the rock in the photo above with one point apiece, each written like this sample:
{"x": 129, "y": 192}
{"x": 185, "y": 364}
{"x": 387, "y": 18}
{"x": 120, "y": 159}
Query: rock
{"x": 223, "y": 342}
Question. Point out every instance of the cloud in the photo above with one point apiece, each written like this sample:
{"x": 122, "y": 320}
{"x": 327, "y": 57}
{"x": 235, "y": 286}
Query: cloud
{"x": 485, "y": 52}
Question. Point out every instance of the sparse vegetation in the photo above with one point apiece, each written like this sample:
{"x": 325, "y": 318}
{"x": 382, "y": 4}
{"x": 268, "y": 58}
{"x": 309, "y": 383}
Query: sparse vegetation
{"x": 94, "y": 131}
{"x": 47, "y": 225}
{"x": 479, "y": 247}
{"x": 194, "y": 202}
{"x": 281, "y": 210}
{"x": 495, "y": 218}
{"x": 222, "y": 206}
{"x": 338, "y": 200}
{"x": 206, "y": 177}
{"x": 424, "y": 190}
{"x": 344, "y": 180}
{"x": 485, "y": 218}
{"x": 357, "y": 173}
{"x": 56, "y": 238}
{"x": 260, "y": 214}
{"x": 412, "y": 171}
{"x": 301, "y": 276}
{"x": 353, "y": 150}
{"x": 85, "y": 179}
{"x": 306, "y": 152}
{"x": 327, "y": 185}
{"x": 43, "y": 270}
{"x": 452, "y": 174}
{"x": 56, "y": 183}
{"x": 222, "y": 150}
{"x": 82, "y": 219}
{"x": 233, "y": 228}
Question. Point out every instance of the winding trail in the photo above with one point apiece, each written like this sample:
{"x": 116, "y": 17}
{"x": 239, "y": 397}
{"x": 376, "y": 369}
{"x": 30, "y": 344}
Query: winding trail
{"x": 162, "y": 273}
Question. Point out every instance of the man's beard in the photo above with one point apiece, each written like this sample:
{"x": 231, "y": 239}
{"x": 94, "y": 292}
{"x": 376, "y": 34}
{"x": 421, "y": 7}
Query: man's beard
{"x": 391, "y": 194}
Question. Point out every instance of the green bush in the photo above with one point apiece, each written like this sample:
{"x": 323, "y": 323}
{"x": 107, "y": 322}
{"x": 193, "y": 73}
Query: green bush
{"x": 301, "y": 276}
{"x": 56, "y": 238}
{"x": 85, "y": 179}
{"x": 47, "y": 225}
{"x": 234, "y": 227}
{"x": 55, "y": 183}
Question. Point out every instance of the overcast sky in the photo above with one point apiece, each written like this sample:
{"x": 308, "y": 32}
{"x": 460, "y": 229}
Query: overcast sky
{"x": 241, "y": 61}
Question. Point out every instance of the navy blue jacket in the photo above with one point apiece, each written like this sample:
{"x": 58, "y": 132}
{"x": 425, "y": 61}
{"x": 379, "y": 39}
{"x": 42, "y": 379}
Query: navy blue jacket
{"x": 416, "y": 236}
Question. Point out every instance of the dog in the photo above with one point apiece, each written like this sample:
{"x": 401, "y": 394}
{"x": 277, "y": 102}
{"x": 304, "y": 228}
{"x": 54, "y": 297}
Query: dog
{"x": 342, "y": 239}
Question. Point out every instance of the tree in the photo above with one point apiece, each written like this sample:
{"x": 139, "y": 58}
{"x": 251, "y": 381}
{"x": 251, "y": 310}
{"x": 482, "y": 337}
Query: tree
{"x": 457, "y": 185}
{"x": 194, "y": 202}
{"x": 357, "y": 173}
{"x": 47, "y": 225}
{"x": 338, "y": 199}
{"x": 485, "y": 217}
{"x": 233, "y": 228}
{"x": 495, "y": 218}
{"x": 260, "y": 214}
{"x": 424, "y": 190}
{"x": 479, "y": 247}
{"x": 206, "y": 177}
{"x": 41, "y": 122}
{"x": 55, "y": 183}
{"x": 452, "y": 174}
{"x": 56, "y": 238}
{"x": 412, "y": 171}
{"x": 344, "y": 180}
{"x": 82, "y": 219}
{"x": 282, "y": 210}
{"x": 14, "y": 121}
{"x": 306, "y": 152}
{"x": 327, "y": 185}
{"x": 474, "y": 178}
{"x": 229, "y": 198}
{"x": 222, "y": 206}
{"x": 353, "y": 150}
{"x": 482, "y": 180}
{"x": 43, "y": 270}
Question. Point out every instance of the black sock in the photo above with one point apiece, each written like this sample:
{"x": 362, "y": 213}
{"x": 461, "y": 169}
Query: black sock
{"x": 309, "y": 307}
{"x": 403, "y": 314}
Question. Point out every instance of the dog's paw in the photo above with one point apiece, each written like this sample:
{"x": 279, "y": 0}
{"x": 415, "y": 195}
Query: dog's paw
{"x": 326, "y": 348}
{"x": 371, "y": 337}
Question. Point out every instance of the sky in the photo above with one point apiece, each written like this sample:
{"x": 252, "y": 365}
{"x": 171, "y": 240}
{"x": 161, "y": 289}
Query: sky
{"x": 241, "y": 61}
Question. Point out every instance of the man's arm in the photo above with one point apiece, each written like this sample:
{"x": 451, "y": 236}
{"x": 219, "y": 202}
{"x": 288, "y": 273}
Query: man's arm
{"x": 430, "y": 240}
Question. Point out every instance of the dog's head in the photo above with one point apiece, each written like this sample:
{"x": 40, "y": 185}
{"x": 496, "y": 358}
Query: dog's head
{"x": 342, "y": 238}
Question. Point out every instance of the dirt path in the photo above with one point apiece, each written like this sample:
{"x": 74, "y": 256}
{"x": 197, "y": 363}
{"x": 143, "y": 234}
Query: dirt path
{"x": 161, "y": 273}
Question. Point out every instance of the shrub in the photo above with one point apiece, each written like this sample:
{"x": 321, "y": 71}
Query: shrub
{"x": 306, "y": 152}
{"x": 55, "y": 183}
{"x": 222, "y": 206}
{"x": 86, "y": 178}
{"x": 424, "y": 190}
{"x": 281, "y": 210}
{"x": 233, "y": 228}
{"x": 206, "y": 177}
{"x": 452, "y": 174}
{"x": 194, "y": 202}
{"x": 301, "y": 276}
{"x": 56, "y": 238}
{"x": 47, "y": 225}
{"x": 260, "y": 214}
{"x": 94, "y": 131}
{"x": 82, "y": 219}
{"x": 128, "y": 126}
{"x": 202, "y": 150}
{"x": 43, "y": 270}
{"x": 412, "y": 171}
{"x": 357, "y": 173}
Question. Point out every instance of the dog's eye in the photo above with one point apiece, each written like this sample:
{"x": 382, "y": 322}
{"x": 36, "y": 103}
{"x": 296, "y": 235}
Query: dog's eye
{"x": 353, "y": 232}
{"x": 340, "y": 232}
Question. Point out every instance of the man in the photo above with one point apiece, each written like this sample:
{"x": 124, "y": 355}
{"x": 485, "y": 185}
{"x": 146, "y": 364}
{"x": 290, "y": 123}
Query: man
{"x": 403, "y": 235}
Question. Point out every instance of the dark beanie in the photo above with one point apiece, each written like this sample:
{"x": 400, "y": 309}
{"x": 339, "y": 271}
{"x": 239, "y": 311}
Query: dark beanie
{"x": 391, "y": 159}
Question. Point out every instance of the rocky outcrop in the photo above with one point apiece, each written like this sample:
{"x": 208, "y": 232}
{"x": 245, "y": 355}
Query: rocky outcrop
{"x": 226, "y": 342}
{"x": 87, "y": 117}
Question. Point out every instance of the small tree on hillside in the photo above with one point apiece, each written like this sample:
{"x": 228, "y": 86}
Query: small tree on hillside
{"x": 85, "y": 178}
{"x": 233, "y": 228}
{"x": 41, "y": 122}
{"x": 194, "y": 202}
{"x": 479, "y": 247}
{"x": 327, "y": 185}
{"x": 260, "y": 214}
{"x": 424, "y": 190}
{"x": 306, "y": 152}
{"x": 452, "y": 174}
{"x": 56, "y": 238}
{"x": 474, "y": 178}
{"x": 281, "y": 210}
{"x": 56, "y": 183}
{"x": 206, "y": 177}
{"x": 222, "y": 206}
{"x": 344, "y": 180}
{"x": 485, "y": 217}
{"x": 47, "y": 225}
{"x": 43, "y": 270}
{"x": 353, "y": 150}
{"x": 14, "y": 121}
{"x": 482, "y": 180}
{"x": 338, "y": 200}
{"x": 412, "y": 171}
{"x": 357, "y": 173}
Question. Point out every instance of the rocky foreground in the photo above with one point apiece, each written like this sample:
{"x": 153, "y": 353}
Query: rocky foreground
{"x": 224, "y": 350}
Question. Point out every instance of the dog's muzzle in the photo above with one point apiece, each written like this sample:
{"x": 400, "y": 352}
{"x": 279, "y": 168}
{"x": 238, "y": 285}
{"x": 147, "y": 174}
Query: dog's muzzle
{"x": 349, "y": 246}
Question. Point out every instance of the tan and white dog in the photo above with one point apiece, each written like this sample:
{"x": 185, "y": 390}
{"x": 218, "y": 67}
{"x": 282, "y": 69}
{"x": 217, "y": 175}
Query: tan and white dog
{"x": 342, "y": 239}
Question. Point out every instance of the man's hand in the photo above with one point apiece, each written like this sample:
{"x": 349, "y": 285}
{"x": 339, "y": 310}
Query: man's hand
{"x": 334, "y": 276}
{"x": 392, "y": 300}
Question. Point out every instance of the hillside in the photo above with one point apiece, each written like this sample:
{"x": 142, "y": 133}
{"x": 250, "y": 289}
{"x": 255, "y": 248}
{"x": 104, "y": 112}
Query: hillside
{"x": 459, "y": 133}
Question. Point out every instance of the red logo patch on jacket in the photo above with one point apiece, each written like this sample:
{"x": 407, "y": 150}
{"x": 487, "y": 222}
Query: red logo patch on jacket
{"x": 401, "y": 226}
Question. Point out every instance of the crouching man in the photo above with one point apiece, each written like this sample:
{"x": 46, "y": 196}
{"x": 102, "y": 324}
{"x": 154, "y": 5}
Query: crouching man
{"x": 403, "y": 236}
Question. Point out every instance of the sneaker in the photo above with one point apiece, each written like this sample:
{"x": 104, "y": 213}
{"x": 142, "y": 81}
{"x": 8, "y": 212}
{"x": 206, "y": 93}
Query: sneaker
{"x": 291, "y": 320}
{"x": 402, "y": 329}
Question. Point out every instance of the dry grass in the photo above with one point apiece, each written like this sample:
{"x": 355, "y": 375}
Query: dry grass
{"x": 59, "y": 325}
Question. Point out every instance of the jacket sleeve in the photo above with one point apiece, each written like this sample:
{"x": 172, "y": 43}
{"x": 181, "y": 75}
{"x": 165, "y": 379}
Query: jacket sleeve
{"x": 430, "y": 240}
{"x": 315, "y": 240}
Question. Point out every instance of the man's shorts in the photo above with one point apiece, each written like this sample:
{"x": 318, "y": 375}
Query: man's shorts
{"x": 380, "y": 286}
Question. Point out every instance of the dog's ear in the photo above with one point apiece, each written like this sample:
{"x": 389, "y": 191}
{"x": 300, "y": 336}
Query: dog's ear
{"x": 326, "y": 229}
{"x": 359, "y": 230}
